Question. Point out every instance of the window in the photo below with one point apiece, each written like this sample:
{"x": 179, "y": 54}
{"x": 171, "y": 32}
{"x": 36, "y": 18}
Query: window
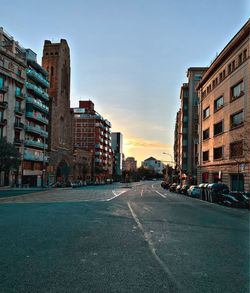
{"x": 236, "y": 149}
{"x": 205, "y": 156}
{"x": 18, "y": 105}
{"x": 213, "y": 83}
{"x": 197, "y": 76}
{"x": 218, "y": 127}
{"x": 185, "y": 107}
{"x": 185, "y": 94}
{"x": 240, "y": 58}
{"x": 236, "y": 119}
{"x": 185, "y": 119}
{"x": 18, "y": 91}
{"x": 237, "y": 91}
{"x": 206, "y": 134}
{"x": 1, "y": 132}
{"x": 1, "y": 82}
{"x": 206, "y": 113}
{"x": 244, "y": 54}
{"x": 1, "y": 116}
{"x": 233, "y": 65}
{"x": 185, "y": 143}
{"x": 218, "y": 153}
{"x": 229, "y": 68}
{"x": 221, "y": 76}
{"x": 218, "y": 103}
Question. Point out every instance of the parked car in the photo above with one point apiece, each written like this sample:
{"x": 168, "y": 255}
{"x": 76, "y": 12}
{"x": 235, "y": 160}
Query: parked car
{"x": 165, "y": 185}
{"x": 240, "y": 196}
{"x": 184, "y": 189}
{"x": 178, "y": 188}
{"x": 193, "y": 191}
{"x": 172, "y": 187}
{"x": 230, "y": 200}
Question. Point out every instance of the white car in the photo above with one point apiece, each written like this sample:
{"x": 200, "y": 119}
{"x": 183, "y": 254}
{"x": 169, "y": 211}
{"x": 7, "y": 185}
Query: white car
{"x": 194, "y": 191}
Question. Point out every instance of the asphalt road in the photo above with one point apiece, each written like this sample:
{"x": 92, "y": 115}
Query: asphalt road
{"x": 116, "y": 239}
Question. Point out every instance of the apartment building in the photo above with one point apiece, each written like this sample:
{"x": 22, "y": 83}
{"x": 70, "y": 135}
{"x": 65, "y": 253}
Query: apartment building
{"x": 130, "y": 164}
{"x": 23, "y": 110}
{"x": 224, "y": 116}
{"x": 92, "y": 134}
{"x": 117, "y": 146}
{"x": 153, "y": 164}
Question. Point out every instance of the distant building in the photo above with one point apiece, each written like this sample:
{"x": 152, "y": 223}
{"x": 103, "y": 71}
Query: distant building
{"x": 117, "y": 146}
{"x": 130, "y": 164}
{"x": 92, "y": 134}
{"x": 24, "y": 111}
{"x": 153, "y": 164}
{"x": 224, "y": 116}
{"x": 186, "y": 131}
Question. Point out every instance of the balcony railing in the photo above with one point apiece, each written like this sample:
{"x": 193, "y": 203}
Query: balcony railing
{"x": 37, "y": 91}
{"x": 38, "y": 77}
{"x": 20, "y": 95}
{"x": 34, "y": 156}
{"x": 4, "y": 105}
{"x": 36, "y": 144}
{"x": 37, "y": 129}
{"x": 38, "y": 104}
{"x": 18, "y": 125}
{"x": 38, "y": 117}
{"x": 19, "y": 110}
{"x": 4, "y": 89}
{"x": 3, "y": 122}
{"x": 18, "y": 141}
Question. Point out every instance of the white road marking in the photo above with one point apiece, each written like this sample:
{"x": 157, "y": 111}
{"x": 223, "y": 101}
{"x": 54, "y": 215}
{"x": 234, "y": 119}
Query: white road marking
{"x": 162, "y": 195}
{"x": 141, "y": 192}
{"x": 116, "y": 194}
{"x": 147, "y": 237}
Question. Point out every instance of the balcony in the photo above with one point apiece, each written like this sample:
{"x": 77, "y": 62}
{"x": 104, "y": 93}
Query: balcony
{"x": 37, "y": 77}
{"x": 38, "y": 91}
{"x": 37, "y": 104}
{"x": 101, "y": 140}
{"x": 18, "y": 141}
{"x": 37, "y": 144}
{"x": 3, "y": 122}
{"x": 4, "y": 89}
{"x": 37, "y": 117}
{"x": 98, "y": 146}
{"x": 34, "y": 156}
{"x": 20, "y": 95}
{"x": 97, "y": 153}
{"x": 19, "y": 111}
{"x": 4, "y": 105}
{"x": 37, "y": 130}
{"x": 18, "y": 125}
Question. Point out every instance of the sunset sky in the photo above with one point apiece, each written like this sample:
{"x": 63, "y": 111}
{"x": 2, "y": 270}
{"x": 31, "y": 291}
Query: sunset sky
{"x": 130, "y": 57}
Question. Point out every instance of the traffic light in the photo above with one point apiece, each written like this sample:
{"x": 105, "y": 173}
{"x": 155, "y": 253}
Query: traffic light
{"x": 75, "y": 152}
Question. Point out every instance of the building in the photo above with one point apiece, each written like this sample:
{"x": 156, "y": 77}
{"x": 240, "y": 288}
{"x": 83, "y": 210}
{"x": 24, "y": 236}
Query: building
{"x": 117, "y": 146}
{"x": 92, "y": 134}
{"x": 56, "y": 60}
{"x": 130, "y": 164}
{"x": 24, "y": 110}
{"x": 153, "y": 164}
{"x": 186, "y": 131}
{"x": 224, "y": 116}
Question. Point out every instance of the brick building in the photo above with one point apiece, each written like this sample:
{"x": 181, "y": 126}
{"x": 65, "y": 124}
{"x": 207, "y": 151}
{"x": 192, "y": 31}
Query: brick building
{"x": 130, "y": 164}
{"x": 92, "y": 134}
{"x": 224, "y": 116}
{"x": 56, "y": 60}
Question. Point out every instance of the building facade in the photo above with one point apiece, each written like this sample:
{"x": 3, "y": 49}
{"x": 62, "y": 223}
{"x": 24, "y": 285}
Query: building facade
{"x": 117, "y": 146}
{"x": 24, "y": 108}
{"x": 153, "y": 164}
{"x": 63, "y": 164}
{"x": 130, "y": 164}
{"x": 92, "y": 134}
{"x": 224, "y": 116}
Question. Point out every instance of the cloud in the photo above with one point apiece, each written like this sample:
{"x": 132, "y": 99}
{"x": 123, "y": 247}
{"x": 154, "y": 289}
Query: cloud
{"x": 134, "y": 142}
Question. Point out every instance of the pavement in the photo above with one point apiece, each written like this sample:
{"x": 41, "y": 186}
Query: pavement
{"x": 140, "y": 238}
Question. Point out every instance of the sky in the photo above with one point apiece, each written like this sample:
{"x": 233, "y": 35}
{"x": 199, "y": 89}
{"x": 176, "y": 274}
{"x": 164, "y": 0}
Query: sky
{"x": 130, "y": 57}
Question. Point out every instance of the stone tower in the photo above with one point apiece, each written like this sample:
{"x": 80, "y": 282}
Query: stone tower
{"x": 56, "y": 60}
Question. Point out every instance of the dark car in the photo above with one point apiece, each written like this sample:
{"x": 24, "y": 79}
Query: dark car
{"x": 172, "y": 187}
{"x": 165, "y": 185}
{"x": 184, "y": 189}
{"x": 231, "y": 201}
{"x": 242, "y": 197}
{"x": 193, "y": 191}
{"x": 178, "y": 188}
